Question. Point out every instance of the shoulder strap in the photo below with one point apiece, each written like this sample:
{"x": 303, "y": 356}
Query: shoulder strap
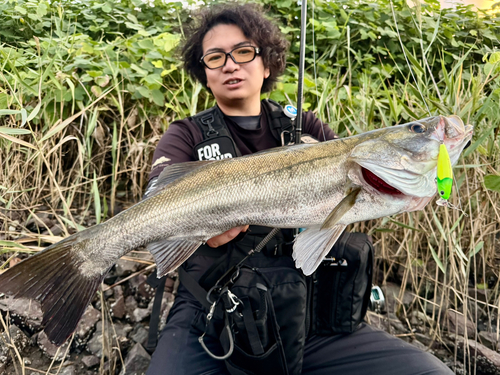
{"x": 282, "y": 126}
{"x": 215, "y": 132}
{"x": 211, "y": 123}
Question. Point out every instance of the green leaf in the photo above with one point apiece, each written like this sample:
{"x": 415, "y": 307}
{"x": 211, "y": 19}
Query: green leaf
{"x": 34, "y": 112}
{"x": 404, "y": 225}
{"x": 42, "y": 9}
{"x": 492, "y": 182}
{"x": 157, "y": 64}
{"x": 146, "y": 44}
{"x": 144, "y": 91}
{"x": 4, "y": 112}
{"x": 158, "y": 97}
{"x": 12, "y": 244}
{"x": 21, "y": 10}
{"x": 477, "y": 248}
{"x": 24, "y": 116}
{"x": 97, "y": 200}
{"x": 437, "y": 260}
{"x": 13, "y": 131}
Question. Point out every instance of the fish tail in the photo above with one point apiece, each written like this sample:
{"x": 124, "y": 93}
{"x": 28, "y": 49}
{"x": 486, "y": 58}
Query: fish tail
{"x": 53, "y": 277}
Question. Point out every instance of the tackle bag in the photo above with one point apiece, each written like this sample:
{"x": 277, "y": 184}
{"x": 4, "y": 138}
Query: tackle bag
{"x": 260, "y": 311}
{"x": 339, "y": 290}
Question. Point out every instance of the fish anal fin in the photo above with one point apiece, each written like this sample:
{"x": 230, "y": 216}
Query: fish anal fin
{"x": 170, "y": 254}
{"x": 312, "y": 245}
{"x": 341, "y": 209}
{"x": 172, "y": 172}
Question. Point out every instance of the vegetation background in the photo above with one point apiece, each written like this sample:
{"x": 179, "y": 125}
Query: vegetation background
{"x": 88, "y": 87}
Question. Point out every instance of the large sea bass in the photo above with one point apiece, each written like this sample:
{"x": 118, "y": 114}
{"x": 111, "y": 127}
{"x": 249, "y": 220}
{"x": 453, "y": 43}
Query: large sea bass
{"x": 321, "y": 187}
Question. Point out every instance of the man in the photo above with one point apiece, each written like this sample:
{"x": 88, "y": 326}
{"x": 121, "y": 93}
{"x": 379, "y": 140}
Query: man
{"x": 237, "y": 54}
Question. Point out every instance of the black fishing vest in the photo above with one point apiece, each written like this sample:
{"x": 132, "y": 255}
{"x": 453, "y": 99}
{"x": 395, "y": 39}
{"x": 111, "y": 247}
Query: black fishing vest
{"x": 217, "y": 141}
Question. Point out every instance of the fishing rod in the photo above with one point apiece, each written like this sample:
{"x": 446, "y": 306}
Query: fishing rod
{"x": 300, "y": 91}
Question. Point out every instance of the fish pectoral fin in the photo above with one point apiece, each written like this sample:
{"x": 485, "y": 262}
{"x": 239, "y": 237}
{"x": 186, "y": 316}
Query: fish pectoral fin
{"x": 170, "y": 254}
{"x": 312, "y": 245}
{"x": 172, "y": 172}
{"x": 341, "y": 209}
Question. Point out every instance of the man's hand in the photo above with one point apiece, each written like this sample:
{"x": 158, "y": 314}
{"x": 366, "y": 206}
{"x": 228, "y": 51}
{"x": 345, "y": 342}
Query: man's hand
{"x": 225, "y": 237}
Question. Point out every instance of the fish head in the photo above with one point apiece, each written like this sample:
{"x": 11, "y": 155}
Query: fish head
{"x": 402, "y": 160}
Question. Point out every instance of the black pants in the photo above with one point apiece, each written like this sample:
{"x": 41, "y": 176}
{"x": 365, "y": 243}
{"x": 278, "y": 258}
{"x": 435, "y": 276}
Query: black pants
{"x": 365, "y": 352}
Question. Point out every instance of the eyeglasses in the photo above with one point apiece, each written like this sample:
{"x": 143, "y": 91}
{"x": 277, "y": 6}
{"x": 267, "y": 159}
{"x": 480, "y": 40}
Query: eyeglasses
{"x": 239, "y": 55}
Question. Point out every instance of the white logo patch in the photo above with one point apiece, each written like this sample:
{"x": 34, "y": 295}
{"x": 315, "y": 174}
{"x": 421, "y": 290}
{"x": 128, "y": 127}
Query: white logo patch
{"x": 161, "y": 160}
{"x": 212, "y": 152}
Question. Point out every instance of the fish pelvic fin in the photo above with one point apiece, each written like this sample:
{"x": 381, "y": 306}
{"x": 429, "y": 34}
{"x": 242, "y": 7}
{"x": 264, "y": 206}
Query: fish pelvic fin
{"x": 170, "y": 254}
{"x": 312, "y": 245}
{"x": 53, "y": 278}
{"x": 341, "y": 209}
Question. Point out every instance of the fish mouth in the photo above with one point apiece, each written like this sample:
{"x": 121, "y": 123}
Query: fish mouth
{"x": 378, "y": 184}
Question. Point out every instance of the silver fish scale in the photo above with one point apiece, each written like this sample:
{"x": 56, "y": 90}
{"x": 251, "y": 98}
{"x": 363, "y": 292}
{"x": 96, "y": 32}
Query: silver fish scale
{"x": 267, "y": 189}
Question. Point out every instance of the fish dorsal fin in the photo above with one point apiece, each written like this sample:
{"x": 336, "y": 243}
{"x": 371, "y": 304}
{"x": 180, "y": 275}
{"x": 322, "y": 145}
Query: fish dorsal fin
{"x": 172, "y": 172}
{"x": 312, "y": 245}
{"x": 171, "y": 254}
{"x": 340, "y": 210}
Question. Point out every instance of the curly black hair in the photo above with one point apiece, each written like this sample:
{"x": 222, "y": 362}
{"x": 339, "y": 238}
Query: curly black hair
{"x": 250, "y": 19}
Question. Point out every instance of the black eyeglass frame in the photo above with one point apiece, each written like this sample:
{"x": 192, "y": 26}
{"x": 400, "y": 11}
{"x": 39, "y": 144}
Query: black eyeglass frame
{"x": 230, "y": 53}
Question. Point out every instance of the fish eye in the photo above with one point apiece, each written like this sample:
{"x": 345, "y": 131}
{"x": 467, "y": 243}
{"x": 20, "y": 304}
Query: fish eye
{"x": 418, "y": 128}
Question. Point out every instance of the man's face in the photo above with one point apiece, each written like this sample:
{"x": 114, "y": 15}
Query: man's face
{"x": 233, "y": 84}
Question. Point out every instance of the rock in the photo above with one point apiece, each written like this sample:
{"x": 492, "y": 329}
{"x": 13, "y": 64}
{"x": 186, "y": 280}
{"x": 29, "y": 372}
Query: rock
{"x": 51, "y": 350}
{"x": 126, "y": 267}
{"x": 140, "y": 335}
{"x": 489, "y": 340}
{"x": 95, "y": 344}
{"x": 55, "y": 230}
{"x": 140, "y": 314}
{"x": 117, "y": 292}
{"x": 118, "y": 309}
{"x": 122, "y": 330}
{"x": 144, "y": 292}
{"x": 486, "y": 361}
{"x": 27, "y": 313}
{"x": 378, "y": 321}
{"x": 458, "y": 324}
{"x": 100, "y": 344}
{"x": 169, "y": 284}
{"x": 136, "y": 362}
{"x": 68, "y": 370}
{"x": 424, "y": 339}
{"x": 480, "y": 294}
{"x": 130, "y": 306}
{"x": 39, "y": 221}
{"x": 396, "y": 324}
{"x": 436, "y": 305}
{"x": 421, "y": 346}
{"x": 15, "y": 337}
{"x": 87, "y": 323}
{"x": 419, "y": 318}
{"x": 91, "y": 361}
{"x": 166, "y": 305}
{"x": 393, "y": 299}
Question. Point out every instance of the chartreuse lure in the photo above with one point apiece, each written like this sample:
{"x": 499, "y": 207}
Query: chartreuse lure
{"x": 444, "y": 173}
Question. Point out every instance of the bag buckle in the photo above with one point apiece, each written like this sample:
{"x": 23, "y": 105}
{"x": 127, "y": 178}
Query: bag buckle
{"x": 334, "y": 262}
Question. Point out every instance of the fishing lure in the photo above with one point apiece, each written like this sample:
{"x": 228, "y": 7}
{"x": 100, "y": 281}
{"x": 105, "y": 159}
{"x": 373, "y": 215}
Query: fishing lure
{"x": 444, "y": 175}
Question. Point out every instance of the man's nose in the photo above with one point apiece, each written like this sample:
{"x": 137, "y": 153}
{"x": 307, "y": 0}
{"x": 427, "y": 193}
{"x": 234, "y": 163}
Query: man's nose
{"x": 230, "y": 65}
